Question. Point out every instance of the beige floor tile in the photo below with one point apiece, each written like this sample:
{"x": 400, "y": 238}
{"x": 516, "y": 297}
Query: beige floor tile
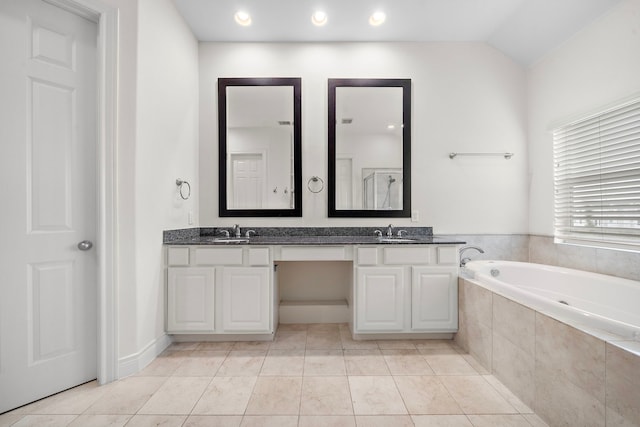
{"x": 9, "y": 419}
{"x": 325, "y": 396}
{"x": 156, "y": 421}
{"x": 213, "y": 421}
{"x": 350, "y": 344}
{"x": 323, "y": 327}
{"x": 475, "y": 364}
{"x": 384, "y": 421}
{"x": 324, "y": 362}
{"x": 100, "y": 421}
{"x": 201, "y": 364}
{"x": 252, "y": 345}
{"x": 215, "y": 346}
{"x": 126, "y": 396}
{"x": 242, "y": 363}
{"x": 365, "y": 362}
{"x": 45, "y": 420}
{"x": 396, "y": 344}
{"x": 498, "y": 421}
{"x": 183, "y": 346}
{"x": 275, "y": 396}
{"x": 535, "y": 420}
{"x": 436, "y": 347}
{"x": 164, "y": 366}
{"x": 375, "y": 395}
{"x": 323, "y": 340}
{"x": 73, "y": 401}
{"x": 283, "y": 363}
{"x": 449, "y": 364}
{"x": 475, "y": 395}
{"x": 508, "y": 395}
{"x": 441, "y": 421}
{"x": 177, "y": 396}
{"x": 270, "y": 421}
{"x": 226, "y": 396}
{"x": 290, "y": 340}
{"x": 327, "y": 421}
{"x": 293, "y": 327}
{"x": 406, "y": 362}
{"x": 426, "y": 395}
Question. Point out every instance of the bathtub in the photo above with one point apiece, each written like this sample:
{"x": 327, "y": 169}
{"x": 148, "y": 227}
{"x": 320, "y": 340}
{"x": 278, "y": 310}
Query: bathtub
{"x": 592, "y": 302}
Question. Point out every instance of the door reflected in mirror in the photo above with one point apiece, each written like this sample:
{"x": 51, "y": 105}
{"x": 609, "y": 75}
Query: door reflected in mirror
{"x": 259, "y": 147}
{"x": 369, "y": 148}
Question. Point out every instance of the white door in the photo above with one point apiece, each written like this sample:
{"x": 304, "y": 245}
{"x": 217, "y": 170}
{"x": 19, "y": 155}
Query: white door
{"x": 48, "y": 173}
{"x": 245, "y": 299}
{"x": 248, "y": 180}
{"x": 380, "y": 299}
{"x": 190, "y": 299}
{"x": 434, "y": 299}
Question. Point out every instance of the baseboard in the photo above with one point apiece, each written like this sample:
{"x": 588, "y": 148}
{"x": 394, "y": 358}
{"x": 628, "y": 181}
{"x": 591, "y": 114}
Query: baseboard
{"x": 136, "y": 362}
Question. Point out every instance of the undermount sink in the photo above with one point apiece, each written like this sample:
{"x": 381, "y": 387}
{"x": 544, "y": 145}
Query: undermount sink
{"x": 230, "y": 240}
{"x": 395, "y": 239}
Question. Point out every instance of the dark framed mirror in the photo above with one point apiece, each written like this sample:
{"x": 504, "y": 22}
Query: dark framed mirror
{"x": 259, "y": 147}
{"x": 369, "y": 131}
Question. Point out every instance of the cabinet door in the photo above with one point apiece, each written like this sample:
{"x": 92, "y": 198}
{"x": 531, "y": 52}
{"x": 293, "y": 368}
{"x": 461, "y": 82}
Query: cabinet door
{"x": 246, "y": 299}
{"x": 379, "y": 299}
{"x": 190, "y": 299}
{"x": 434, "y": 299}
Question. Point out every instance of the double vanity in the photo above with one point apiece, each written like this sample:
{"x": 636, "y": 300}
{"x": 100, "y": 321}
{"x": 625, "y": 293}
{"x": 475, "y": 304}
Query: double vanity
{"x": 384, "y": 283}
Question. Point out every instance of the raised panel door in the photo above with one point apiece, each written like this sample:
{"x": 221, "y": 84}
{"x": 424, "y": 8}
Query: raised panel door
{"x": 191, "y": 299}
{"x": 246, "y": 301}
{"x": 380, "y": 299}
{"x": 434, "y": 299}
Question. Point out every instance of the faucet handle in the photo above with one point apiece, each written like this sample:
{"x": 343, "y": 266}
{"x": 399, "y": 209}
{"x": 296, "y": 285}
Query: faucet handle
{"x": 400, "y": 232}
{"x": 247, "y": 233}
{"x": 377, "y": 233}
{"x": 225, "y": 233}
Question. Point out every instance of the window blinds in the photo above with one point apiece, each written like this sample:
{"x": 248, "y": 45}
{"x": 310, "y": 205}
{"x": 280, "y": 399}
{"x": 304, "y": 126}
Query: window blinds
{"x": 597, "y": 179}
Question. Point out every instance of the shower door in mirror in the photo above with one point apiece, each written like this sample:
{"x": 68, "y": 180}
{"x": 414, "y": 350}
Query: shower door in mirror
{"x": 369, "y": 147}
{"x": 259, "y": 147}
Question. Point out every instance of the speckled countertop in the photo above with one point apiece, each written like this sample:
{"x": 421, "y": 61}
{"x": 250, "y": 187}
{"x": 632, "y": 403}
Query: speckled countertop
{"x": 312, "y": 236}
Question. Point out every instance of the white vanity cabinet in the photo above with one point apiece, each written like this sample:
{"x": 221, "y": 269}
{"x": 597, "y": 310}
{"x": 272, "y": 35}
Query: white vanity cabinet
{"x": 407, "y": 289}
{"x": 219, "y": 290}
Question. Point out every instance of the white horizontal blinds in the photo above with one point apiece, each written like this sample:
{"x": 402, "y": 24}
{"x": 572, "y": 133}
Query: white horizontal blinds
{"x": 597, "y": 178}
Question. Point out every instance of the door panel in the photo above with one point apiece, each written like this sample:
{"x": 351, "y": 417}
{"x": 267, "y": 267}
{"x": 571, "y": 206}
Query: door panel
{"x": 380, "y": 299}
{"x": 48, "y": 322}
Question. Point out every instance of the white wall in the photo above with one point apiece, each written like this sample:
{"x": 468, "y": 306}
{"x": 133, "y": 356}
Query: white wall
{"x": 465, "y": 97}
{"x": 597, "y": 67}
{"x": 166, "y": 148}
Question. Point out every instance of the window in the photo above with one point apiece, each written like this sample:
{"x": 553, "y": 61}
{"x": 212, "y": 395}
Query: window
{"x": 597, "y": 179}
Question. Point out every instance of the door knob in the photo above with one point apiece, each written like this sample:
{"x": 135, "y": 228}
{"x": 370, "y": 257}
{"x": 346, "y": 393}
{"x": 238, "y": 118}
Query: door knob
{"x": 85, "y": 245}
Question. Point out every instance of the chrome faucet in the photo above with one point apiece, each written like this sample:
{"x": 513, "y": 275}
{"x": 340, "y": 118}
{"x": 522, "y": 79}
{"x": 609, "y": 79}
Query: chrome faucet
{"x": 465, "y": 260}
{"x": 236, "y": 230}
{"x": 390, "y": 230}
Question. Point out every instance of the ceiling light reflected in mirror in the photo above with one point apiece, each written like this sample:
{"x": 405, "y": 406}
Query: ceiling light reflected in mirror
{"x": 242, "y": 18}
{"x": 319, "y": 18}
{"x": 377, "y": 18}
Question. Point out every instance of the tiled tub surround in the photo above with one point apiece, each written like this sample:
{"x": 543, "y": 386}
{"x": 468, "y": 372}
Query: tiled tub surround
{"x": 567, "y": 376}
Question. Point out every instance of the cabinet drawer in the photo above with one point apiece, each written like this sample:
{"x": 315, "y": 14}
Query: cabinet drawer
{"x": 258, "y": 256}
{"x": 218, "y": 256}
{"x": 367, "y": 256}
{"x": 447, "y": 255}
{"x": 178, "y": 256}
{"x": 317, "y": 253}
{"x": 411, "y": 255}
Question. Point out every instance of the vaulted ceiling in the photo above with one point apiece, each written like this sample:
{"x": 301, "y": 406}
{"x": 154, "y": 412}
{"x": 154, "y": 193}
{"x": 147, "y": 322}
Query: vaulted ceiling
{"x": 525, "y": 30}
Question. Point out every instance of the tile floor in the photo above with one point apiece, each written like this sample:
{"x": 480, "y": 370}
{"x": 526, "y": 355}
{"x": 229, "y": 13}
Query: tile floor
{"x": 310, "y": 375}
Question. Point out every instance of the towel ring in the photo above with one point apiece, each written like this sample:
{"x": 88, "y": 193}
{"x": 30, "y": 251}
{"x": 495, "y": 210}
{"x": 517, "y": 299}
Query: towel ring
{"x": 181, "y": 183}
{"x": 315, "y": 179}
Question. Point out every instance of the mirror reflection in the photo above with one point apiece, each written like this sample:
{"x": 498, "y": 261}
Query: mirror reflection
{"x": 369, "y": 144}
{"x": 259, "y": 147}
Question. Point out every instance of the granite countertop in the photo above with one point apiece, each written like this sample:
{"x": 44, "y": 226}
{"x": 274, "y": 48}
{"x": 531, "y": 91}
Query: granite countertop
{"x": 315, "y": 236}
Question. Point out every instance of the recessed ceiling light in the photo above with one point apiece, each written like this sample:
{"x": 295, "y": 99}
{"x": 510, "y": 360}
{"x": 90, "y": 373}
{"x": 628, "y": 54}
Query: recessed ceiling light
{"x": 242, "y": 18}
{"x": 319, "y": 18}
{"x": 377, "y": 18}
